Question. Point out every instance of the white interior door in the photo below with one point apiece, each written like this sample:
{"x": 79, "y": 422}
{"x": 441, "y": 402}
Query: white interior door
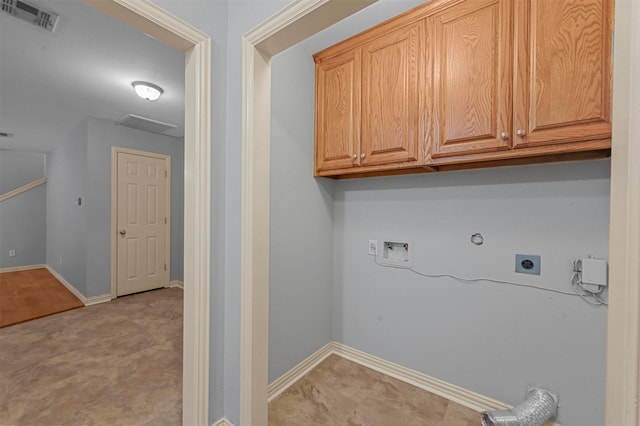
{"x": 142, "y": 223}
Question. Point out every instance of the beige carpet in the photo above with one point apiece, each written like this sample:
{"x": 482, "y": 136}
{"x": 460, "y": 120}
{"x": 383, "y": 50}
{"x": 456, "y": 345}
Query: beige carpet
{"x": 340, "y": 392}
{"x": 117, "y": 363}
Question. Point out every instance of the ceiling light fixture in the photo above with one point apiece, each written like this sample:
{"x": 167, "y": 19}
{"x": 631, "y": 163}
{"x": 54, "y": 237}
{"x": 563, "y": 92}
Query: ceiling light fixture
{"x": 146, "y": 90}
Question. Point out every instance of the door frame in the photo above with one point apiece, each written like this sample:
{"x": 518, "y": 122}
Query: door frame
{"x": 294, "y": 23}
{"x": 115, "y": 150}
{"x": 290, "y": 26}
{"x": 150, "y": 19}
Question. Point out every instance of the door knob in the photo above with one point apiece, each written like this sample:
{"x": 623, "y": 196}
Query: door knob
{"x": 354, "y": 156}
{"x": 123, "y": 232}
{"x": 504, "y": 135}
{"x": 520, "y": 132}
{"x": 362, "y": 155}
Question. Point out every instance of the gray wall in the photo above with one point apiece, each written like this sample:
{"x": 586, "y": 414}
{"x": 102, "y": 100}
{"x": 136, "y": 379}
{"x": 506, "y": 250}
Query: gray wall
{"x": 18, "y": 168}
{"x": 78, "y": 237}
{"x": 243, "y": 16}
{"x": 67, "y": 178}
{"x": 226, "y": 22}
{"x": 211, "y": 17}
{"x": 102, "y": 135}
{"x": 301, "y": 243}
{"x": 23, "y": 228}
{"x": 23, "y": 217}
{"x": 494, "y": 339}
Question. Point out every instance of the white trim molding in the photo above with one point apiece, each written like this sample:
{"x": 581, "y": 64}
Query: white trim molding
{"x": 296, "y": 373}
{"x": 21, "y": 268}
{"x": 149, "y": 18}
{"x": 223, "y": 422}
{"x": 464, "y": 397}
{"x": 623, "y": 320}
{"x": 23, "y": 188}
{"x": 87, "y": 301}
{"x": 177, "y": 283}
{"x": 294, "y": 23}
{"x": 457, "y": 394}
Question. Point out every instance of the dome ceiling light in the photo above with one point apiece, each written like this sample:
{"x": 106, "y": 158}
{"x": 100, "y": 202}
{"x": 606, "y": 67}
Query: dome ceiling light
{"x": 146, "y": 90}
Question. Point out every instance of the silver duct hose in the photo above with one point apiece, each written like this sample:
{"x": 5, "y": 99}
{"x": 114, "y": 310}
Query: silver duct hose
{"x": 540, "y": 406}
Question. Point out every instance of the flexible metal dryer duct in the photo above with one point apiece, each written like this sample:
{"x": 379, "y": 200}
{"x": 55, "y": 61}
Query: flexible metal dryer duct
{"x": 540, "y": 406}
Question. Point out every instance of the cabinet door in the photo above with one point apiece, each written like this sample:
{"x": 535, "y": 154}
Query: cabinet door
{"x": 390, "y": 98}
{"x": 337, "y": 123}
{"x": 471, "y": 53}
{"x": 562, "y": 82}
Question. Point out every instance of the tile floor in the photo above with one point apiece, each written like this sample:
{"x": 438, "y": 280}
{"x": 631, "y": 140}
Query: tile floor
{"x": 341, "y": 392}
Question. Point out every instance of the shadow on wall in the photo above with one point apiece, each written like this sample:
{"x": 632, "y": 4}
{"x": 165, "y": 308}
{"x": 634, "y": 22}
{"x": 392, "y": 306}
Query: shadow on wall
{"x": 498, "y": 176}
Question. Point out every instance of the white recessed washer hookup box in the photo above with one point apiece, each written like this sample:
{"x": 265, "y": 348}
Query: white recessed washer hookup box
{"x": 396, "y": 252}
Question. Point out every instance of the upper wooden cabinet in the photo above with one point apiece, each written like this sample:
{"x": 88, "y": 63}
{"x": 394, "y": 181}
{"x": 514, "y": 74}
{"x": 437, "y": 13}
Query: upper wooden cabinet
{"x": 337, "y": 121}
{"x": 471, "y": 56}
{"x": 390, "y": 91}
{"x": 467, "y": 83}
{"x": 367, "y": 103}
{"x": 562, "y": 84}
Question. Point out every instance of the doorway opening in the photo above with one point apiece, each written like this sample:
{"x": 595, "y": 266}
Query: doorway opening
{"x": 196, "y": 45}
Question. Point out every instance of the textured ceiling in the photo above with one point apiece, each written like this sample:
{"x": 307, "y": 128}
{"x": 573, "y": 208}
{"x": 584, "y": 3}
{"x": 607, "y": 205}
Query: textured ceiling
{"x": 50, "y": 82}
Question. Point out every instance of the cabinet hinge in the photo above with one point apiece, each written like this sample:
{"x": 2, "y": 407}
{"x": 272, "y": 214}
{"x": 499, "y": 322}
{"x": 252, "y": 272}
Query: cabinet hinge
{"x": 165, "y": 220}
{"x": 165, "y": 266}
{"x": 165, "y": 173}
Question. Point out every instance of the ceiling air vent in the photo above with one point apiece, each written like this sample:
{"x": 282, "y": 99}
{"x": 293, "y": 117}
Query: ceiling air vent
{"x": 31, "y": 14}
{"x": 146, "y": 124}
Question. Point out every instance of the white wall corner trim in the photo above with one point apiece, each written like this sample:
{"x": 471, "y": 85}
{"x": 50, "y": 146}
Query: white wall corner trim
{"x": 464, "y": 397}
{"x": 223, "y": 422}
{"x": 87, "y": 301}
{"x": 177, "y": 283}
{"x": 290, "y": 377}
{"x": 21, "y": 268}
{"x": 95, "y": 300}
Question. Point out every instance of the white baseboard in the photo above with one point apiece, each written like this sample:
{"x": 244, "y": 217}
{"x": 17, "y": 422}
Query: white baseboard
{"x": 22, "y": 268}
{"x": 94, "y": 300}
{"x": 464, "y": 397}
{"x": 290, "y": 377}
{"x": 176, "y": 283}
{"x": 87, "y": 301}
{"x": 454, "y": 393}
{"x": 223, "y": 422}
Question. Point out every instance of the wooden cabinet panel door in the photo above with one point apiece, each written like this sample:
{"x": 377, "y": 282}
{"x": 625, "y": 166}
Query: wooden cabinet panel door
{"x": 390, "y": 97}
{"x": 471, "y": 53}
{"x": 337, "y": 123}
{"x": 562, "y": 82}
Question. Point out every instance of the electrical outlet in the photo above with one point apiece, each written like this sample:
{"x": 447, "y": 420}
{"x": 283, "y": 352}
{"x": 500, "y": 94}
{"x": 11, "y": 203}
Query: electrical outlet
{"x": 528, "y": 264}
{"x": 12, "y": 253}
{"x": 373, "y": 247}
